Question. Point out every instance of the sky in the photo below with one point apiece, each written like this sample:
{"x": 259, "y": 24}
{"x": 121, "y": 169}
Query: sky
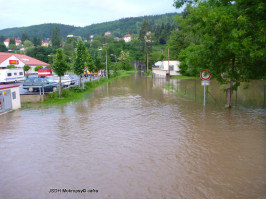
{"x": 19, "y": 13}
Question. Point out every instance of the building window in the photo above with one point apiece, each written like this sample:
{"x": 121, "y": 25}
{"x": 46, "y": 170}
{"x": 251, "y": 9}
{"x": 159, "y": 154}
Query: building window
{"x": 14, "y": 96}
{"x": 171, "y": 67}
{"x": 9, "y": 74}
{"x": 20, "y": 73}
{"x": 15, "y": 74}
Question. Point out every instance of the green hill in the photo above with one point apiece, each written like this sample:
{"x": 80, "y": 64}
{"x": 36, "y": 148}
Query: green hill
{"x": 118, "y": 28}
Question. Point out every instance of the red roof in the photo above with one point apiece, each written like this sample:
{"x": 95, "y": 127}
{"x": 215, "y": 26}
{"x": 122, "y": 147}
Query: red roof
{"x": 127, "y": 35}
{"x": 16, "y": 40}
{"x": 27, "y": 60}
{"x": 2, "y": 87}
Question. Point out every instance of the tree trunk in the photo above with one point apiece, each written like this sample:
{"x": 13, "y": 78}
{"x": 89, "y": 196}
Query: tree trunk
{"x": 60, "y": 87}
{"x": 80, "y": 80}
{"x": 230, "y": 96}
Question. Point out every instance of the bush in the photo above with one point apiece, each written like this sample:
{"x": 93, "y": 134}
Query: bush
{"x": 38, "y": 67}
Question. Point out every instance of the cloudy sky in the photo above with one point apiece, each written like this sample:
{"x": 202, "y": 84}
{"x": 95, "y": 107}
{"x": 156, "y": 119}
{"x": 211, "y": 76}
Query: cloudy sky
{"x": 18, "y": 13}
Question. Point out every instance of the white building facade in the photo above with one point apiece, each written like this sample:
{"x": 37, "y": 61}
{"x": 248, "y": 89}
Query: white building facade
{"x": 162, "y": 68}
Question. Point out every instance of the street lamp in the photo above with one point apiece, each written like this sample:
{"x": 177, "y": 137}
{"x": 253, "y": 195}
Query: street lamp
{"x": 106, "y": 62}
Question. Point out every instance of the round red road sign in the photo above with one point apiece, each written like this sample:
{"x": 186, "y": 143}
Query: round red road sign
{"x": 205, "y": 76}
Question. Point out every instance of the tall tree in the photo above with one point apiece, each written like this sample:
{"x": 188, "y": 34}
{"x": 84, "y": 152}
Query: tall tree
{"x": 80, "y": 60}
{"x": 24, "y": 37}
{"x": 56, "y": 37}
{"x": 60, "y": 67}
{"x": 232, "y": 44}
{"x": 89, "y": 62}
{"x": 145, "y": 38}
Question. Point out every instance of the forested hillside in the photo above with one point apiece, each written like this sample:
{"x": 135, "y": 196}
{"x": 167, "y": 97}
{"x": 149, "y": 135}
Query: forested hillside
{"x": 118, "y": 27}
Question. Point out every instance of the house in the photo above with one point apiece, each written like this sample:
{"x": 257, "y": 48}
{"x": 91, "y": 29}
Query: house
{"x": 17, "y": 42}
{"x": 127, "y": 38}
{"x": 162, "y": 68}
{"x": 107, "y": 33}
{"x": 117, "y": 39}
{"x": 9, "y": 98}
{"x": 19, "y": 60}
{"x": 45, "y": 43}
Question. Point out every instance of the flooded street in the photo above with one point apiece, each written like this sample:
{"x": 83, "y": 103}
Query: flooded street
{"x": 133, "y": 139}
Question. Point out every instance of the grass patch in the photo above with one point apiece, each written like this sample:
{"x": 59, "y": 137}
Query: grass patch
{"x": 183, "y": 77}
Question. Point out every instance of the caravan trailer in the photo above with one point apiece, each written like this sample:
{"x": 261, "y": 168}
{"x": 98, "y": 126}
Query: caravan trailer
{"x": 11, "y": 75}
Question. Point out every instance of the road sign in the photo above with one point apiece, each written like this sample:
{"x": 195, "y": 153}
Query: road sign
{"x": 205, "y": 74}
{"x": 205, "y": 83}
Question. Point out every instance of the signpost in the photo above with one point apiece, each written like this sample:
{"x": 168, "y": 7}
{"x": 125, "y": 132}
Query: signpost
{"x": 205, "y": 75}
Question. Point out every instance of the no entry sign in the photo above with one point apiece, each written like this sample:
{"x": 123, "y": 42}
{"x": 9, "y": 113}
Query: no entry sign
{"x": 205, "y": 74}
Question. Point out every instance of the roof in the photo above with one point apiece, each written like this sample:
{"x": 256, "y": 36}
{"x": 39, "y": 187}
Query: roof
{"x": 127, "y": 35}
{"x": 27, "y": 60}
{"x": 16, "y": 40}
{"x": 2, "y": 87}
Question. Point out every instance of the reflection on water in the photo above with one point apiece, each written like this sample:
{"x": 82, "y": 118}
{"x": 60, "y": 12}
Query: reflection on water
{"x": 135, "y": 140}
{"x": 249, "y": 95}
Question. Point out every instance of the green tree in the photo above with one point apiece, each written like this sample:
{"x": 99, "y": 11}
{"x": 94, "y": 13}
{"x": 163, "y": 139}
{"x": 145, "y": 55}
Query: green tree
{"x": 24, "y": 37}
{"x": 124, "y": 60}
{"x": 12, "y": 41}
{"x": 176, "y": 43}
{"x": 38, "y": 67}
{"x": 3, "y": 47}
{"x": 26, "y": 68}
{"x": 56, "y": 37}
{"x": 28, "y": 44}
{"x": 146, "y": 41}
{"x": 13, "y": 47}
{"x": 89, "y": 62}
{"x": 232, "y": 44}
{"x": 11, "y": 67}
{"x": 60, "y": 67}
{"x": 37, "y": 41}
{"x": 96, "y": 44}
{"x": 79, "y": 60}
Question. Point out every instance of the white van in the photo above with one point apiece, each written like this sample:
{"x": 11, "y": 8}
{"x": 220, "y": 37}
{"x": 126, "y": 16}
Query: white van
{"x": 11, "y": 75}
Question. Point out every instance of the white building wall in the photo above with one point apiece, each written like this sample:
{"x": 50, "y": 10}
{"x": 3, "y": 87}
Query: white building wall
{"x": 6, "y": 62}
{"x": 127, "y": 39}
{"x": 162, "y": 69}
{"x": 15, "y": 102}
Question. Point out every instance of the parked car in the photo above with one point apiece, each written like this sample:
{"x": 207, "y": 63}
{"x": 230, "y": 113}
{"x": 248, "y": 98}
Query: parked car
{"x": 73, "y": 79}
{"x": 66, "y": 80}
{"x": 33, "y": 84}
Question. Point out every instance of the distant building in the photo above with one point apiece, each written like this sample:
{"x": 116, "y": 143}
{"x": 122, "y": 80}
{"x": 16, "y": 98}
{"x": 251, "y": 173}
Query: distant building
{"x": 72, "y": 36}
{"x": 17, "y": 42}
{"x": 127, "y": 38}
{"x": 107, "y": 33}
{"x": 162, "y": 68}
{"x": 117, "y": 39}
{"x": 19, "y": 60}
{"x": 45, "y": 43}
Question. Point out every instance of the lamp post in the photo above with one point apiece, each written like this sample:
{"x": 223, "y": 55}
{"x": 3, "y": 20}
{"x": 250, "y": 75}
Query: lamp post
{"x": 106, "y": 62}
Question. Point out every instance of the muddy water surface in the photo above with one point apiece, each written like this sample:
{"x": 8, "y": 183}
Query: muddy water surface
{"x": 133, "y": 139}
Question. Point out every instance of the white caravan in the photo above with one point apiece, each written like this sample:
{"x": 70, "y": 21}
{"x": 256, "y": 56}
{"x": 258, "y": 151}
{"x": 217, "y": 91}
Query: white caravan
{"x": 11, "y": 75}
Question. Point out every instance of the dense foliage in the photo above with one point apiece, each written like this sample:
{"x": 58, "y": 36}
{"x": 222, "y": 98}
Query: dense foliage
{"x": 118, "y": 28}
{"x": 229, "y": 40}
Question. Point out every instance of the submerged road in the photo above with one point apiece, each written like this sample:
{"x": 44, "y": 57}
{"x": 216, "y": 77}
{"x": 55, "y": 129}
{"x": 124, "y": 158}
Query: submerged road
{"x": 133, "y": 139}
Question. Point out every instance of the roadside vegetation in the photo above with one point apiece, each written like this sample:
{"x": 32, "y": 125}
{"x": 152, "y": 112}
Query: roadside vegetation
{"x": 224, "y": 36}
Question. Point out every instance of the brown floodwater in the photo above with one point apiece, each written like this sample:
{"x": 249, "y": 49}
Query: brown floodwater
{"x": 133, "y": 139}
